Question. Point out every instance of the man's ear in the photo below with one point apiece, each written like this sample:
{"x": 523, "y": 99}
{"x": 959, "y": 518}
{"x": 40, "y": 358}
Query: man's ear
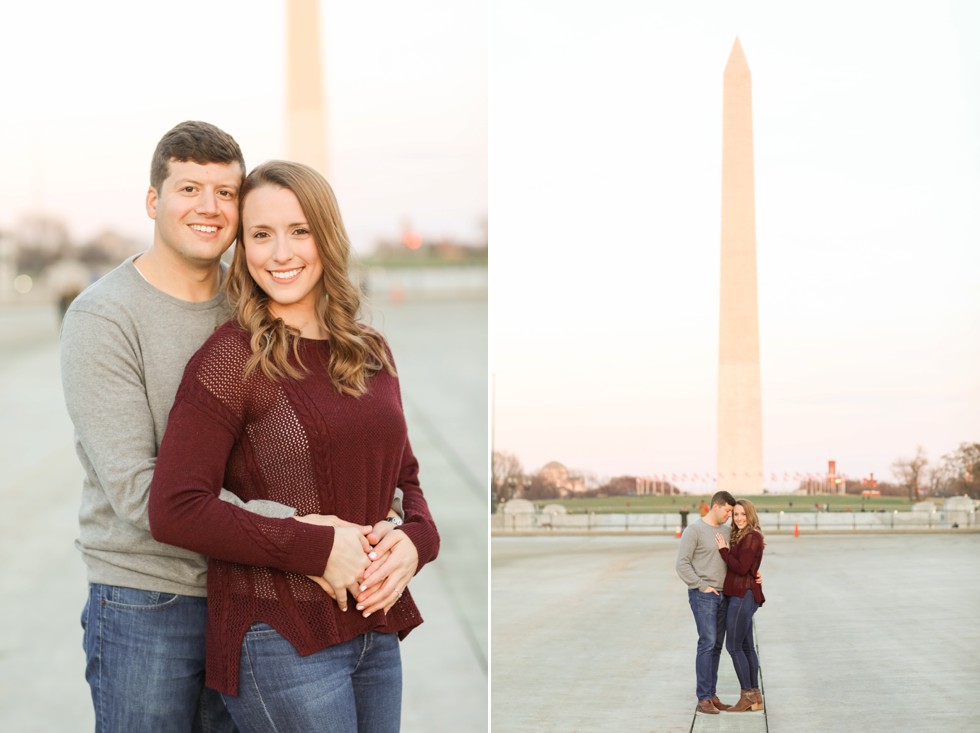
{"x": 151, "y": 203}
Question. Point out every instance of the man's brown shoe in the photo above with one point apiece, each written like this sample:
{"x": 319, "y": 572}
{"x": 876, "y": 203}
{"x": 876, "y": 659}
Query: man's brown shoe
{"x": 706, "y": 706}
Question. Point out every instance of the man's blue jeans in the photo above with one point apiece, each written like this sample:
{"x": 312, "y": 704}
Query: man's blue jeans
{"x": 709, "y": 614}
{"x": 145, "y": 662}
{"x": 353, "y": 686}
{"x": 740, "y": 643}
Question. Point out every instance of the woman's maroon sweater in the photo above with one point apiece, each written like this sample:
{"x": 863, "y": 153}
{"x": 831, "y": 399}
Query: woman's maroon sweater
{"x": 300, "y": 443}
{"x": 743, "y": 561}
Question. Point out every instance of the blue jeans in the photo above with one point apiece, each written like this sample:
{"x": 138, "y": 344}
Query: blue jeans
{"x": 145, "y": 662}
{"x": 740, "y": 643}
{"x": 353, "y": 686}
{"x": 709, "y": 614}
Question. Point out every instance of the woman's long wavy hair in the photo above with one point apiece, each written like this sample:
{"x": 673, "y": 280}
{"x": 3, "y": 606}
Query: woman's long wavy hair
{"x": 751, "y": 523}
{"x": 356, "y": 350}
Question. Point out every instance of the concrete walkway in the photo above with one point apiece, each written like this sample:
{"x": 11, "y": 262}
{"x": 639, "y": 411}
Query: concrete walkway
{"x": 441, "y": 349}
{"x": 858, "y": 633}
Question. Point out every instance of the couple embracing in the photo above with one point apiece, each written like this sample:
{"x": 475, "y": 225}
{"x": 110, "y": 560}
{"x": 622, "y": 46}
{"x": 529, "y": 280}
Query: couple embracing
{"x": 293, "y": 619}
{"x": 720, "y": 564}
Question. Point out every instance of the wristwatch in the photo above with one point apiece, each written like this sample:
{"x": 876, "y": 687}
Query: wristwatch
{"x": 397, "y": 521}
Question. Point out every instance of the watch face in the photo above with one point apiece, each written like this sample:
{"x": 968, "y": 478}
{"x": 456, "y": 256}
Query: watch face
{"x": 397, "y": 521}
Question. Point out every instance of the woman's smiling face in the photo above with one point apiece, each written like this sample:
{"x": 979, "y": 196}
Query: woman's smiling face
{"x": 738, "y": 516}
{"x": 280, "y": 252}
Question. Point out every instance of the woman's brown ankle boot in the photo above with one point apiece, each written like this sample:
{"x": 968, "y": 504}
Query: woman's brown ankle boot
{"x": 757, "y": 703}
{"x": 744, "y": 703}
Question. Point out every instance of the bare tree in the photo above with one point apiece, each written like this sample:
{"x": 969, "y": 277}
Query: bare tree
{"x": 937, "y": 479}
{"x": 908, "y": 471}
{"x": 620, "y": 486}
{"x": 507, "y": 476}
{"x": 959, "y": 472}
{"x": 541, "y": 488}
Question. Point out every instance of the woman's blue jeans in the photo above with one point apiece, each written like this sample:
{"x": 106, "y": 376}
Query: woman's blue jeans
{"x": 353, "y": 686}
{"x": 740, "y": 643}
{"x": 709, "y": 615}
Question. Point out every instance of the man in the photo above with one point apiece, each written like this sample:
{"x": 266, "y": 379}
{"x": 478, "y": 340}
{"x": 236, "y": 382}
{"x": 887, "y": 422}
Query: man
{"x": 124, "y": 344}
{"x": 701, "y": 567}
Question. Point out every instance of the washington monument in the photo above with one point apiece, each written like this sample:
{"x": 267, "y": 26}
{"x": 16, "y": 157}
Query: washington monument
{"x": 305, "y": 116}
{"x": 739, "y": 381}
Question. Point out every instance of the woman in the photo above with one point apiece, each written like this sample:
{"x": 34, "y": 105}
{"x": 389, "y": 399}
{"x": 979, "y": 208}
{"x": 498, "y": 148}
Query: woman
{"x": 744, "y": 598}
{"x": 295, "y": 401}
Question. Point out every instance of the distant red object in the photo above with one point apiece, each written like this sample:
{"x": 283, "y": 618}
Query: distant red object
{"x": 412, "y": 240}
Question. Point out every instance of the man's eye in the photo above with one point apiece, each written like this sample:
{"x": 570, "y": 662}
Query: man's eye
{"x": 227, "y": 194}
{"x": 188, "y": 189}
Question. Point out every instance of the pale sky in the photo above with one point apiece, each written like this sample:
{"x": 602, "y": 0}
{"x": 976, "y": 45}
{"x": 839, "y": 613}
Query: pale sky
{"x": 89, "y": 88}
{"x": 605, "y": 173}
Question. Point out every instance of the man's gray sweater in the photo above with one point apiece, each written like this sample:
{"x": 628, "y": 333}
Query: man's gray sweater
{"x": 124, "y": 346}
{"x": 699, "y": 564}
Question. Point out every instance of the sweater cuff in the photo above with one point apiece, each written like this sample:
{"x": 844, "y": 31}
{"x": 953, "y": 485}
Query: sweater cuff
{"x": 425, "y": 538}
{"x": 312, "y": 546}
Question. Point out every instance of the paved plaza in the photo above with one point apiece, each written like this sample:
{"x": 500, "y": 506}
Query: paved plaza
{"x": 441, "y": 353}
{"x": 858, "y": 633}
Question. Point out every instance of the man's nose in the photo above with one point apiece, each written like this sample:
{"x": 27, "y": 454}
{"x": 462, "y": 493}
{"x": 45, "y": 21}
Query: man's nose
{"x": 207, "y": 202}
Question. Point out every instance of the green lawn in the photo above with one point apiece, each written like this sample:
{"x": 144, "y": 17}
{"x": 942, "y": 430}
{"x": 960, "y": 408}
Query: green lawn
{"x": 763, "y": 503}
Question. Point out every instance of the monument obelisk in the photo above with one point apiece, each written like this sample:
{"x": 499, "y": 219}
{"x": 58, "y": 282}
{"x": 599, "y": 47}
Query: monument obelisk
{"x": 305, "y": 116}
{"x": 739, "y": 380}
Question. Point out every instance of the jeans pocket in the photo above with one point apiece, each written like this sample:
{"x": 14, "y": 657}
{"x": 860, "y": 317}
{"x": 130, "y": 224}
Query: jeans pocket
{"x": 133, "y": 599}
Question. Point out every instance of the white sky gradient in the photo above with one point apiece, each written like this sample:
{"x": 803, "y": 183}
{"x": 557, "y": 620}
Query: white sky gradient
{"x": 605, "y": 173}
{"x": 89, "y": 88}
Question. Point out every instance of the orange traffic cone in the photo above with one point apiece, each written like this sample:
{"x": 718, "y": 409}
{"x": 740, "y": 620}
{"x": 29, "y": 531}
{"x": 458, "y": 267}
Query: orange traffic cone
{"x": 796, "y": 529}
{"x": 678, "y": 533}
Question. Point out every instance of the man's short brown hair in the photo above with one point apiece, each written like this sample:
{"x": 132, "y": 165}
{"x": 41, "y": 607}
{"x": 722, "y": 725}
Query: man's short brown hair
{"x": 199, "y": 142}
{"x": 722, "y": 497}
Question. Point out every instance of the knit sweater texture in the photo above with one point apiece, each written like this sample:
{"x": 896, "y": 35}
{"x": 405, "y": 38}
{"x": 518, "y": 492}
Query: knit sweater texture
{"x": 743, "y": 560}
{"x": 298, "y": 442}
{"x": 124, "y": 345}
{"x": 698, "y": 563}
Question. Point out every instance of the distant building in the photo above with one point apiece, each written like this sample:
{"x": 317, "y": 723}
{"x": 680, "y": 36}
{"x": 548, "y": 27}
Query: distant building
{"x": 650, "y": 486}
{"x": 555, "y": 474}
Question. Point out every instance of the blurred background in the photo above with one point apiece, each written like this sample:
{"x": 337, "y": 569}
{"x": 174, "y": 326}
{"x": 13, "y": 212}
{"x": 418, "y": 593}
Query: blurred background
{"x": 404, "y": 102}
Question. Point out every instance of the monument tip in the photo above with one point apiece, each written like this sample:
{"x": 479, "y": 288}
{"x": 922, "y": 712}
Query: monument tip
{"x": 736, "y": 60}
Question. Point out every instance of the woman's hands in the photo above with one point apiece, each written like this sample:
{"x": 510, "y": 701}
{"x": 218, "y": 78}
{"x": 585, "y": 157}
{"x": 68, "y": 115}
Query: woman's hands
{"x": 349, "y": 558}
{"x": 389, "y": 574}
{"x": 374, "y": 563}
